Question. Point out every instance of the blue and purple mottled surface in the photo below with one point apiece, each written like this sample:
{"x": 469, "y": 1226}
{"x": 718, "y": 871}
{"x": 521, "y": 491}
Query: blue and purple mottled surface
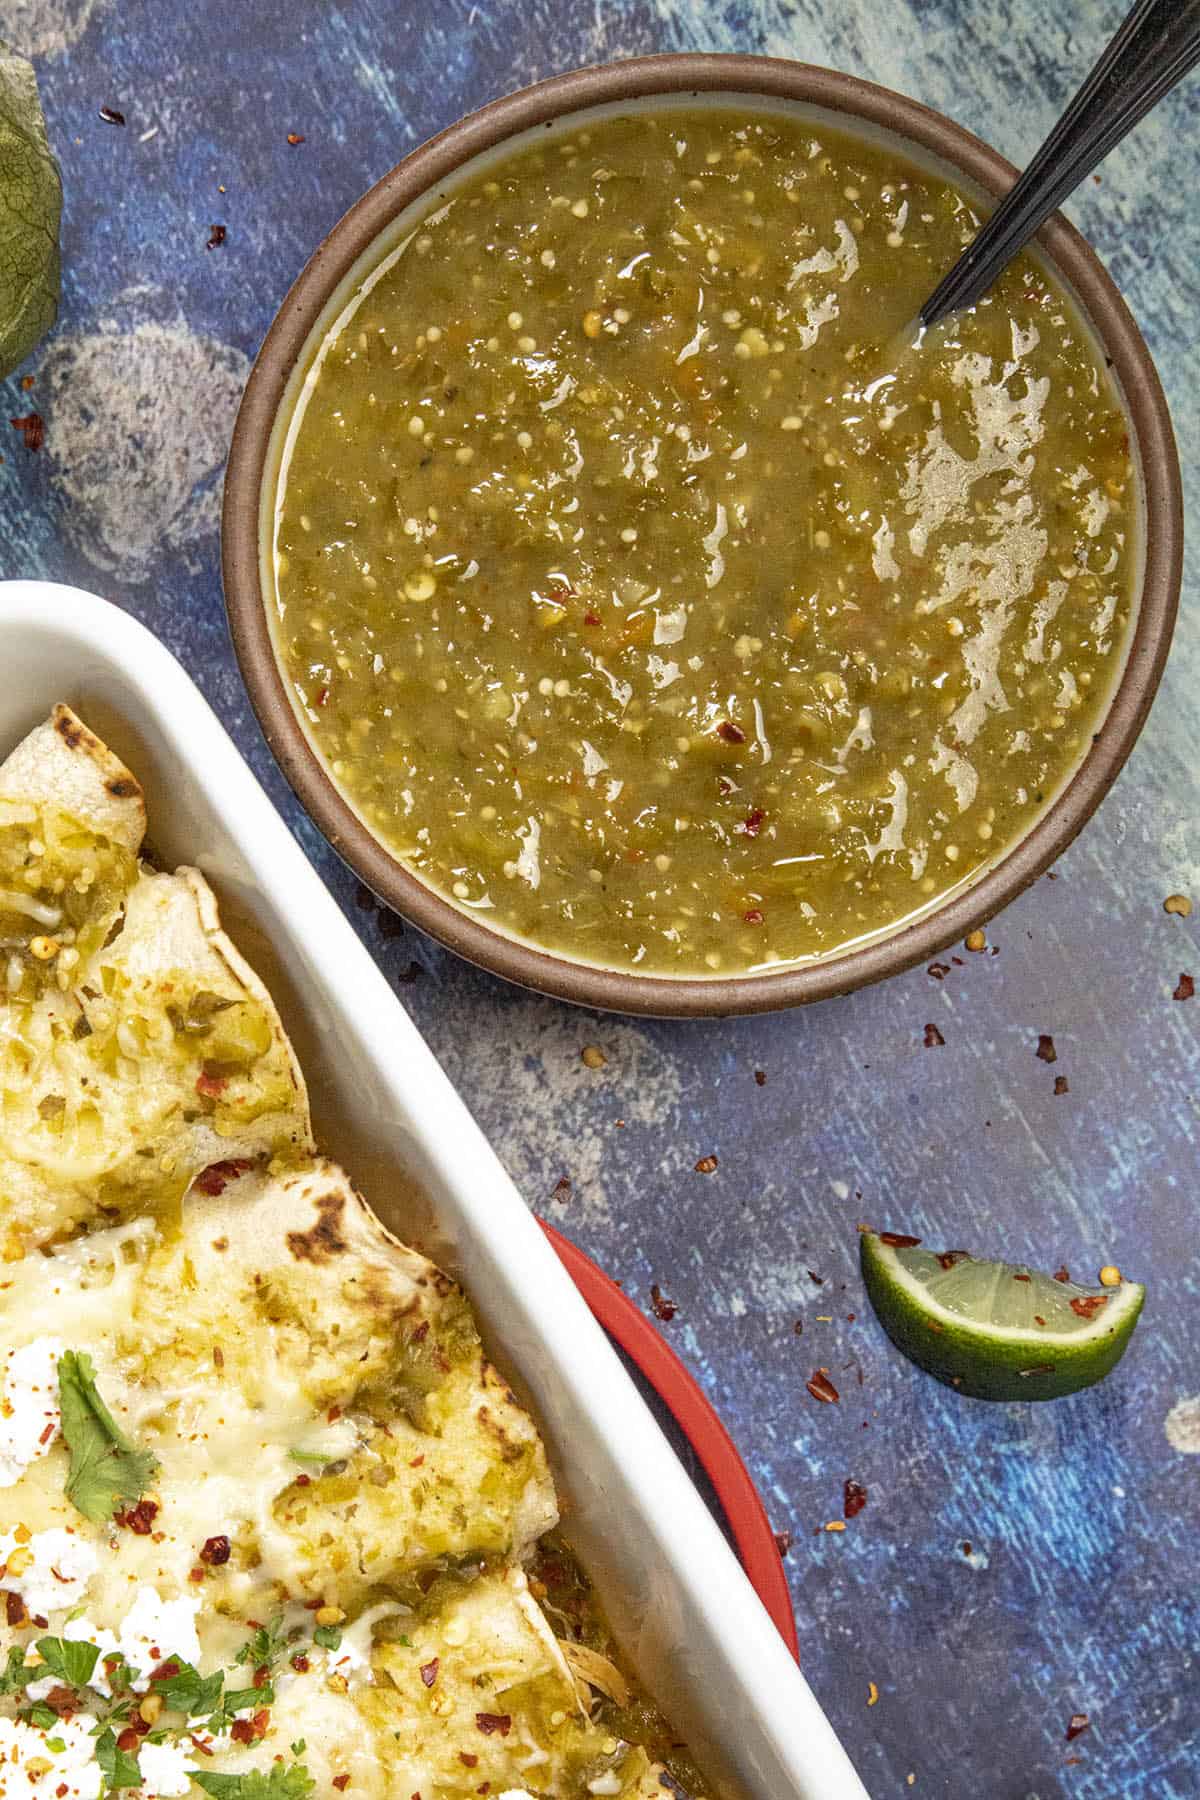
{"x": 1014, "y": 1565}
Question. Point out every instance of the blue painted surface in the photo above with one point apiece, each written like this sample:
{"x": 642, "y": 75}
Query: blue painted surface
{"x": 1079, "y": 1592}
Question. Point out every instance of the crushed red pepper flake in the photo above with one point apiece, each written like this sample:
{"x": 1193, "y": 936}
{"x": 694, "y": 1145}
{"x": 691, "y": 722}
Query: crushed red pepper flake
{"x": 817, "y": 1280}
{"x": 217, "y": 236}
{"x": 1086, "y": 1306}
{"x": 295, "y": 137}
{"x": 753, "y": 917}
{"x": 783, "y": 1542}
{"x": 663, "y": 1308}
{"x": 752, "y": 823}
{"x": 938, "y": 971}
{"x": 494, "y": 1722}
{"x": 707, "y": 1165}
{"x": 218, "y": 1175}
{"x": 1078, "y": 1724}
{"x": 468, "y": 1759}
{"x": 32, "y": 427}
{"x": 14, "y": 1609}
{"x": 1061, "y": 1085}
{"x": 854, "y": 1498}
{"x": 562, "y": 1189}
{"x": 933, "y": 1037}
{"x": 1045, "y": 1047}
{"x": 341, "y": 1783}
{"x": 1186, "y": 988}
{"x": 111, "y": 116}
{"x": 1017, "y": 1276}
{"x": 948, "y": 1258}
{"x": 216, "y": 1551}
{"x": 1062, "y": 1273}
{"x": 139, "y": 1519}
{"x": 732, "y": 734}
{"x": 429, "y": 1671}
{"x": 760, "y": 1078}
{"x": 821, "y": 1388}
{"x": 899, "y": 1240}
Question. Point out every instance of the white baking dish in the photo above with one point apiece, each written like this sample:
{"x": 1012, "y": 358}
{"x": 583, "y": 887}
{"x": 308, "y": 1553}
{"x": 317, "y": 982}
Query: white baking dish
{"x": 673, "y": 1588}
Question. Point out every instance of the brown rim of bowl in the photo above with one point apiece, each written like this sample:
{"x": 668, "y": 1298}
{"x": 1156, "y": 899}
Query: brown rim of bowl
{"x": 619, "y": 990}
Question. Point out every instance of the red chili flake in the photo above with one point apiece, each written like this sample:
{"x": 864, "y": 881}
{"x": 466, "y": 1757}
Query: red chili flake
{"x": 211, "y": 1086}
{"x": 562, "y": 1190}
{"x": 242, "y": 1731}
{"x": 591, "y": 618}
{"x": 61, "y": 1700}
{"x": 724, "y": 787}
{"x": 1086, "y": 1306}
{"x": 899, "y": 1240}
{"x": 760, "y": 1077}
{"x": 196, "y": 1574}
{"x": 301, "y": 1663}
{"x": 938, "y": 971}
{"x": 419, "y": 1333}
{"x": 752, "y": 823}
{"x": 215, "y": 1551}
{"x": 1061, "y": 1085}
{"x": 429, "y": 1671}
{"x": 753, "y": 917}
{"x": 933, "y": 1037}
{"x": 217, "y": 237}
{"x": 304, "y": 1481}
{"x": 128, "y": 1740}
{"x": 1038, "y": 1319}
{"x": 321, "y": 697}
{"x": 1022, "y": 1278}
{"x": 140, "y": 1518}
{"x": 1186, "y": 988}
{"x": 817, "y": 1280}
{"x": 341, "y": 1783}
{"x": 1045, "y": 1048}
{"x": 1062, "y": 1273}
{"x": 733, "y": 734}
{"x": 966, "y": 1547}
{"x": 798, "y": 1328}
{"x": 663, "y": 1308}
{"x": 295, "y": 137}
{"x": 490, "y": 1722}
{"x": 854, "y": 1498}
{"x": 1079, "y": 1723}
{"x": 218, "y": 1175}
{"x": 417, "y": 1462}
{"x": 48, "y": 1433}
{"x": 821, "y": 1388}
{"x": 111, "y": 116}
{"x": 783, "y": 1542}
{"x": 468, "y": 1759}
{"x": 707, "y": 1165}
{"x": 32, "y": 427}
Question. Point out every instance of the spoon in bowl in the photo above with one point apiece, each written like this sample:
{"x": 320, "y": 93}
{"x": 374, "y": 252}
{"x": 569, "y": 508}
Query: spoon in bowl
{"x": 1154, "y": 49}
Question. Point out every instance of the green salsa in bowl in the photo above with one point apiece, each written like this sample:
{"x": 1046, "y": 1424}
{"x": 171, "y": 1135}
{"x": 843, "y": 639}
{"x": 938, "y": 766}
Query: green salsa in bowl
{"x": 635, "y": 602}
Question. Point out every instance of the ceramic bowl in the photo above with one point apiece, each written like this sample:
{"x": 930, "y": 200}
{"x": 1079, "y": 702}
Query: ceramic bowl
{"x": 349, "y": 252}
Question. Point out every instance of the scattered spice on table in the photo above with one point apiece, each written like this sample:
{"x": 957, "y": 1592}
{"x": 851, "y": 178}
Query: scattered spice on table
{"x": 663, "y": 1308}
{"x": 111, "y": 116}
{"x": 562, "y": 1190}
{"x": 1086, "y": 1306}
{"x": 872, "y": 1693}
{"x": 783, "y": 1542}
{"x": 975, "y": 941}
{"x": 26, "y": 383}
{"x": 32, "y": 427}
{"x": 1061, "y": 1085}
{"x": 836, "y": 1525}
{"x": 1110, "y": 1275}
{"x": 592, "y": 1056}
{"x": 707, "y": 1165}
{"x": 760, "y": 1077}
{"x": 817, "y": 1280}
{"x": 1186, "y": 988}
{"x": 295, "y": 137}
{"x": 1179, "y": 904}
{"x": 1045, "y": 1047}
{"x": 821, "y": 1388}
{"x": 899, "y": 1240}
{"x": 1079, "y": 1723}
{"x": 854, "y": 1498}
{"x": 933, "y": 1037}
{"x": 938, "y": 970}
{"x": 217, "y": 237}
{"x": 1062, "y": 1273}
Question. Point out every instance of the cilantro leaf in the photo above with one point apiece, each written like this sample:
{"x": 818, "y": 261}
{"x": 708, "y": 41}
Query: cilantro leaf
{"x": 15, "y": 1677}
{"x": 187, "y": 1691}
{"x": 265, "y": 1645}
{"x": 328, "y": 1636}
{"x": 119, "y": 1769}
{"x": 107, "y": 1470}
{"x": 30, "y": 205}
{"x": 279, "y": 1783}
{"x": 68, "y": 1658}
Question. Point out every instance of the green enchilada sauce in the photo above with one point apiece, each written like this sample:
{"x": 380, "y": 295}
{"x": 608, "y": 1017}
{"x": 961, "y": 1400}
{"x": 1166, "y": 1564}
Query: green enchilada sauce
{"x": 648, "y": 591}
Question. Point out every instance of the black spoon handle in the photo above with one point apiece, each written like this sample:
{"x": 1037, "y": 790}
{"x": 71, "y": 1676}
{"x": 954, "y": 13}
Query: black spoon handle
{"x": 1155, "y": 48}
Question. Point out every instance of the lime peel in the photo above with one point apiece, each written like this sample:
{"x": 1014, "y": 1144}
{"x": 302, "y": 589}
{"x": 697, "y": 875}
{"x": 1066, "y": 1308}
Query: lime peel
{"x": 994, "y": 1330}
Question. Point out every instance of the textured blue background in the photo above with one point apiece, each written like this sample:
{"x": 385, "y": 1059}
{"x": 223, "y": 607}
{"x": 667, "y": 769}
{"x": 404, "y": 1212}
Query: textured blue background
{"x": 1079, "y": 1591}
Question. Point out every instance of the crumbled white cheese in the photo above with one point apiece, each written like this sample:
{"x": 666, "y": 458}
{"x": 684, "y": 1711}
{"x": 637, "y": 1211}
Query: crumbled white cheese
{"x": 166, "y": 1771}
{"x": 50, "y": 1572}
{"x": 59, "y": 1764}
{"x": 154, "y": 1629}
{"x": 29, "y": 1415}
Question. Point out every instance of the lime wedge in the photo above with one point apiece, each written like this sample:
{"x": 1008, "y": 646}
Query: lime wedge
{"x": 995, "y": 1330}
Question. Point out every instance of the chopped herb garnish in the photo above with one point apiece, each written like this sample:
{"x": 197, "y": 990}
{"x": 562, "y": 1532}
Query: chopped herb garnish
{"x": 72, "y": 1661}
{"x": 264, "y": 1646}
{"x": 278, "y": 1783}
{"x": 119, "y": 1769}
{"x": 14, "y": 1677}
{"x": 107, "y": 1471}
{"x": 185, "y": 1690}
{"x": 328, "y": 1636}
